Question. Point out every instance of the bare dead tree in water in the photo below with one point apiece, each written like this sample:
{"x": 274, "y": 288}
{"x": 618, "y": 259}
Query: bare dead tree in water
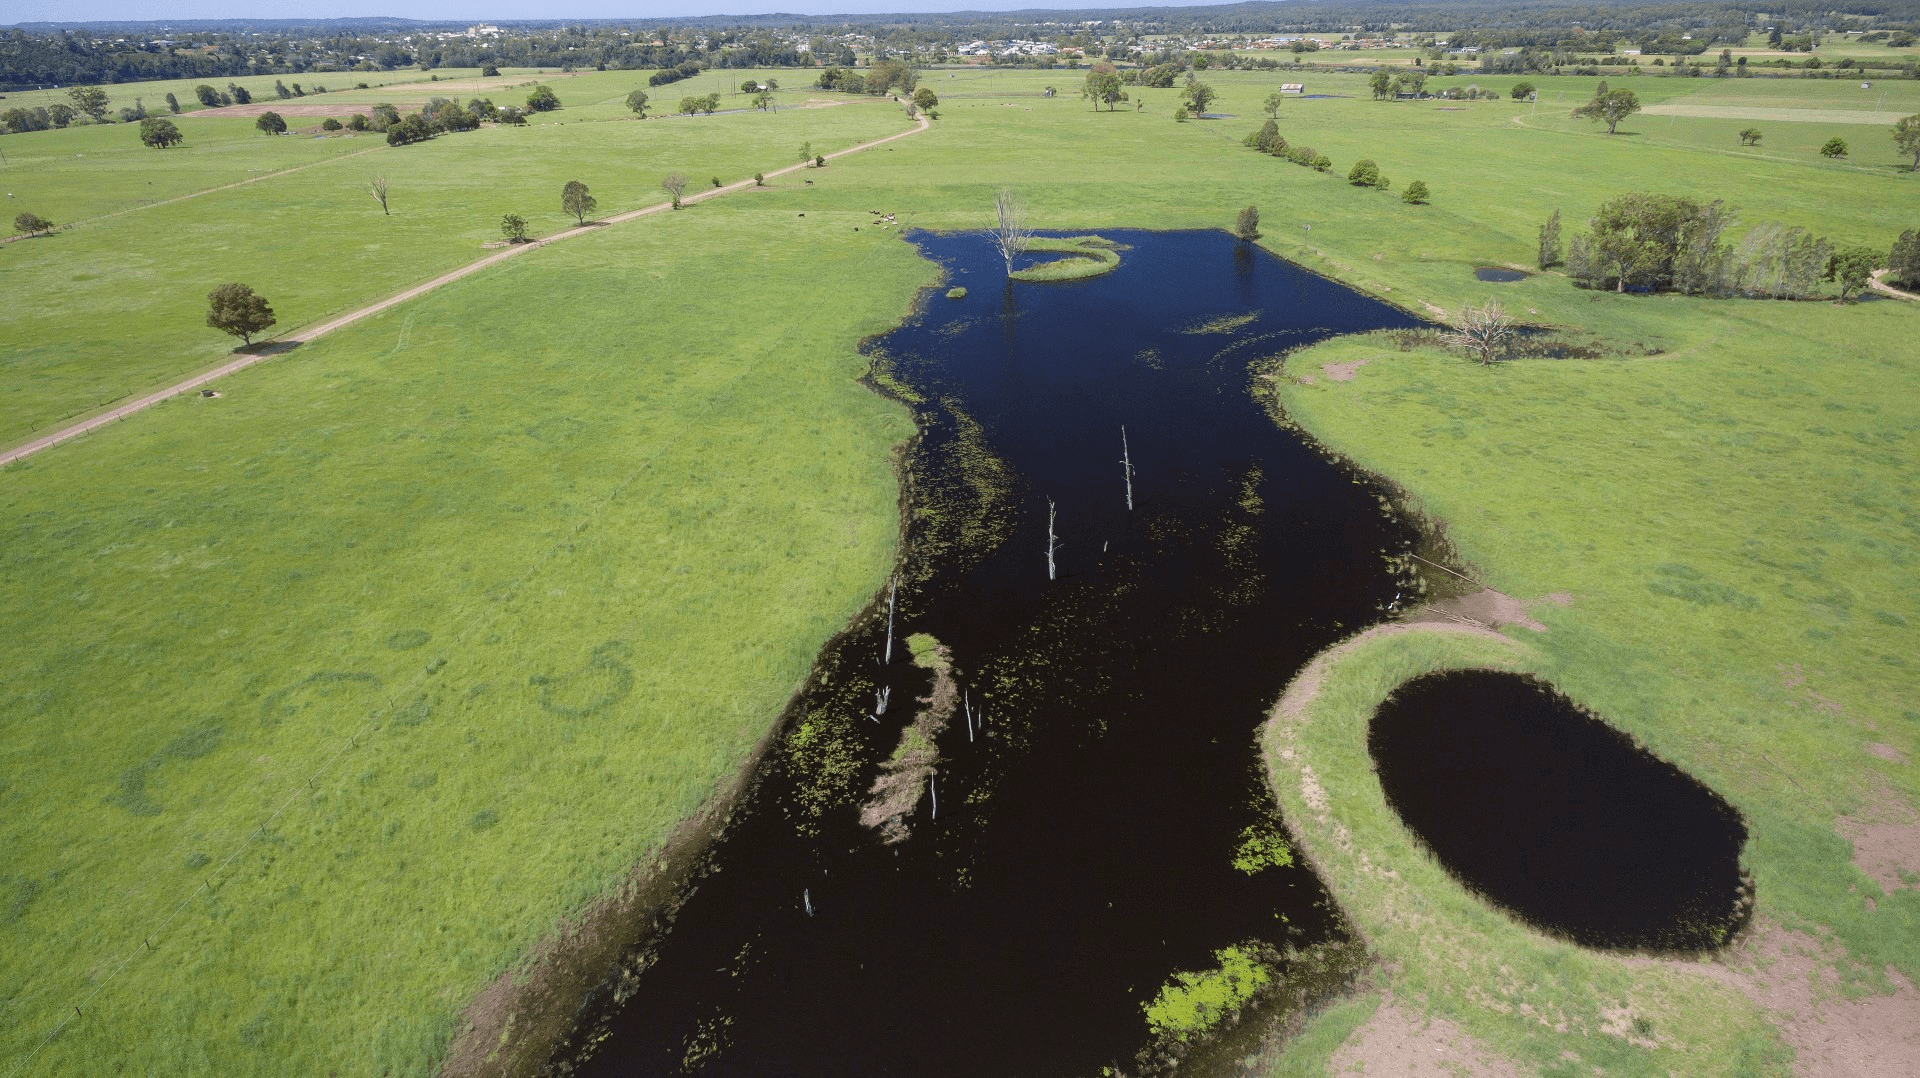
{"x": 935, "y": 794}
{"x": 1126, "y": 466}
{"x": 1485, "y": 332}
{"x": 1053, "y": 544}
{"x": 1011, "y": 230}
{"x": 891, "y": 593}
{"x": 967, "y": 704}
{"x": 880, "y": 698}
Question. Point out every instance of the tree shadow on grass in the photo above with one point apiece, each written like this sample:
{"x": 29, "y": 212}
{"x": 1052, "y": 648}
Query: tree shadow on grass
{"x": 266, "y": 348}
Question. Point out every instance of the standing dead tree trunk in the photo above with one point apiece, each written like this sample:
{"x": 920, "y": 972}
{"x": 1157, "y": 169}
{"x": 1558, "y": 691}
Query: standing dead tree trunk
{"x": 1053, "y": 543}
{"x": 1011, "y": 230}
{"x": 377, "y": 187}
{"x": 1126, "y": 466}
{"x": 891, "y": 594}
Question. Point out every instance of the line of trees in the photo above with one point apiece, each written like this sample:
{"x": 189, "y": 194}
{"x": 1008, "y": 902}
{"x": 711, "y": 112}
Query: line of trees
{"x": 1645, "y": 242}
{"x": 880, "y": 79}
{"x": 1268, "y": 140}
{"x": 439, "y": 116}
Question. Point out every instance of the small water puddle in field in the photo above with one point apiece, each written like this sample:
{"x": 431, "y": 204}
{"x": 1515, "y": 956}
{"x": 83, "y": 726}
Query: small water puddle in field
{"x": 1549, "y": 812}
{"x": 1499, "y": 275}
{"x": 991, "y": 837}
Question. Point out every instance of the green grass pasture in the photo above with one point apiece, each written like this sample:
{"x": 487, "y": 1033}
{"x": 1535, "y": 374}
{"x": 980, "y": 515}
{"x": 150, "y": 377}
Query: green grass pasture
{"x": 117, "y": 305}
{"x": 371, "y": 669}
{"x": 556, "y": 541}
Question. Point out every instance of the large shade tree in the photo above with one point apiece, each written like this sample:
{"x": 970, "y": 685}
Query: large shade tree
{"x": 238, "y": 310}
{"x": 160, "y": 133}
{"x": 575, "y": 200}
{"x": 1609, "y": 107}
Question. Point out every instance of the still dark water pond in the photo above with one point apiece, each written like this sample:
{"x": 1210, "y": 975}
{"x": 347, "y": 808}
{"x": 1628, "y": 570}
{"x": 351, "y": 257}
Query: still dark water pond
{"x": 1498, "y": 275}
{"x": 1548, "y": 811}
{"x": 1091, "y": 816}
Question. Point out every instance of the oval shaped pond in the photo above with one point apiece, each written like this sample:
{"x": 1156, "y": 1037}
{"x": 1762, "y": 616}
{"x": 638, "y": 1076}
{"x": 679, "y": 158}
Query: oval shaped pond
{"x": 1500, "y": 275}
{"x": 1547, "y": 811}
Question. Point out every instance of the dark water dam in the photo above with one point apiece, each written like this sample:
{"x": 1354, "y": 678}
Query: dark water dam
{"x": 1499, "y": 274}
{"x": 990, "y": 836}
{"x": 1546, "y": 810}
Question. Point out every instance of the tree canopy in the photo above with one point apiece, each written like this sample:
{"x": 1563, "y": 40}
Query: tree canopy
{"x": 1247, "y": 225}
{"x": 1906, "y": 138}
{"x": 542, "y": 99}
{"x": 575, "y": 200}
{"x": 1609, "y": 107}
{"x": 160, "y": 133}
{"x": 1903, "y": 265}
{"x": 238, "y": 310}
{"x": 91, "y": 100}
{"x": 271, "y": 123}
{"x": 1198, "y": 95}
{"x": 1365, "y": 173}
{"x": 1851, "y": 268}
{"x": 1104, "y": 87}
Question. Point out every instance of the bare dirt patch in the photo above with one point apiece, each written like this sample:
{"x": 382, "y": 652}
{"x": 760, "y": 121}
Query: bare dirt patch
{"x": 1398, "y": 1042}
{"x": 1886, "y": 840}
{"x": 1486, "y": 607}
{"x": 1795, "y": 978}
{"x": 1343, "y": 372}
{"x": 1886, "y": 752}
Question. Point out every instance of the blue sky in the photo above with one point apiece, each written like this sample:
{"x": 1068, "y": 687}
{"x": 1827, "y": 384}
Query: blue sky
{"x": 12, "y": 11}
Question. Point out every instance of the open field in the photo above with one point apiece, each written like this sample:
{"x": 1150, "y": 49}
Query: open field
{"x": 1778, "y": 115}
{"x": 314, "y": 243}
{"x": 345, "y": 687}
{"x": 595, "y": 631}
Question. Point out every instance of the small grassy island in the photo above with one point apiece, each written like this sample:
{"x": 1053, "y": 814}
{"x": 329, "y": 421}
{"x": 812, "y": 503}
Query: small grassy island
{"x": 1086, "y": 256}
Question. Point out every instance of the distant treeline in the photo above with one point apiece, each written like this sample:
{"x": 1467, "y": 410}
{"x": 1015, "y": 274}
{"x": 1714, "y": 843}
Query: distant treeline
{"x": 124, "y": 52}
{"x": 67, "y": 57}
